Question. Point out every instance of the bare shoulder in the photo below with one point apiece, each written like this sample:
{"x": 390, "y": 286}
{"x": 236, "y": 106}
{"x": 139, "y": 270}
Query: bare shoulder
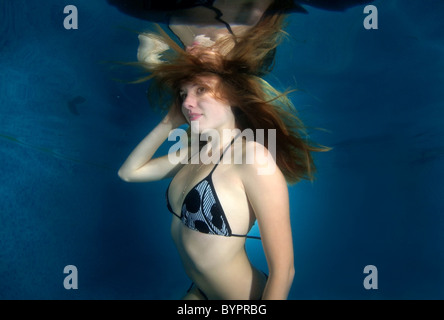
{"x": 257, "y": 161}
{"x": 262, "y": 180}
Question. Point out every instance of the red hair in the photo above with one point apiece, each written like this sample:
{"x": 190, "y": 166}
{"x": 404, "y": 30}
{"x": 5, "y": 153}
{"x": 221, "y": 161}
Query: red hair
{"x": 255, "y": 103}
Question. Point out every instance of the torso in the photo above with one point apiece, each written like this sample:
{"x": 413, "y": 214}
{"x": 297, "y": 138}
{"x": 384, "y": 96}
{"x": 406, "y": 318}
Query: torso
{"x": 218, "y": 265}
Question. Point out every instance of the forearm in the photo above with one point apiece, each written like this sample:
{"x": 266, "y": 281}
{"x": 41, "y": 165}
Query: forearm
{"x": 146, "y": 148}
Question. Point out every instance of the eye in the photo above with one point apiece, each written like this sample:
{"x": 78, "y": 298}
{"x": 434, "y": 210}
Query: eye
{"x": 182, "y": 95}
{"x": 201, "y": 90}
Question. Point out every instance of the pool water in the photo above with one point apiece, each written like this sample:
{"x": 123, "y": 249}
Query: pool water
{"x": 67, "y": 126}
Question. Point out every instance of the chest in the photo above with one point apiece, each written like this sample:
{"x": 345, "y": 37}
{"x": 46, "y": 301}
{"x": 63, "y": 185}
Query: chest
{"x": 213, "y": 200}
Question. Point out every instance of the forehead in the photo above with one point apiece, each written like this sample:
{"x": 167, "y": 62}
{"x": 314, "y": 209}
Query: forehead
{"x": 206, "y": 80}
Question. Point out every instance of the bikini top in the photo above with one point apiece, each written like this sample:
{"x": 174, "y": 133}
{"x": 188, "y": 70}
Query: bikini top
{"x": 202, "y": 210}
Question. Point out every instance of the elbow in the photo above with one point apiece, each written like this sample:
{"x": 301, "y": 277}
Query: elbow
{"x": 279, "y": 283}
{"x": 123, "y": 174}
{"x": 289, "y": 278}
{"x": 291, "y": 273}
{"x": 285, "y": 274}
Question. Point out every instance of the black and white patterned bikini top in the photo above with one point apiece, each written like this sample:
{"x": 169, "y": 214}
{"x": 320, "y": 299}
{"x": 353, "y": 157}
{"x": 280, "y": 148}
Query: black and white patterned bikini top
{"x": 202, "y": 210}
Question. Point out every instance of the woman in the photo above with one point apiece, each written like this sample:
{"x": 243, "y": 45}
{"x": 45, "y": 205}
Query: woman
{"x": 214, "y": 204}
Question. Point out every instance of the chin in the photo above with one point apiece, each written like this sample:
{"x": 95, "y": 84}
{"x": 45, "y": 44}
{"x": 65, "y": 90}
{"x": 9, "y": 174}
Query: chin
{"x": 198, "y": 126}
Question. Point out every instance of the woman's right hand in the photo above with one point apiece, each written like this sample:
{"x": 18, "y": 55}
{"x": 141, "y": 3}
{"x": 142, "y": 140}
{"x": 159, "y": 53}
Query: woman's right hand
{"x": 175, "y": 117}
{"x": 140, "y": 166}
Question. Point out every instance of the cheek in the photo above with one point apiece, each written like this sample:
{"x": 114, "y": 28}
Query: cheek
{"x": 183, "y": 110}
{"x": 217, "y": 112}
{"x": 222, "y": 116}
{"x": 227, "y": 111}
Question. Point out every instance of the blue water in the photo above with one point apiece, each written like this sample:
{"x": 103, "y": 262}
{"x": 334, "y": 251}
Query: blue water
{"x": 66, "y": 126}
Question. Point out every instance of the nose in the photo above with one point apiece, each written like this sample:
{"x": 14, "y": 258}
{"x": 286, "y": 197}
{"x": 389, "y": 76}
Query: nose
{"x": 190, "y": 102}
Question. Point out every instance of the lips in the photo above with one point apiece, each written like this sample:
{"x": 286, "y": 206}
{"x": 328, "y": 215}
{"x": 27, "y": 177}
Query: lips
{"x": 194, "y": 116}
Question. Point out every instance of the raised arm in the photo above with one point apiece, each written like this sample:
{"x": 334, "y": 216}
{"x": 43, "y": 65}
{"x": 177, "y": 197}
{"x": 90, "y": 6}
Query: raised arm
{"x": 268, "y": 195}
{"x": 139, "y": 166}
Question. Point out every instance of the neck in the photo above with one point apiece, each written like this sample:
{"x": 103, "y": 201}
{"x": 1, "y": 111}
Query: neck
{"x": 218, "y": 141}
{"x": 219, "y": 138}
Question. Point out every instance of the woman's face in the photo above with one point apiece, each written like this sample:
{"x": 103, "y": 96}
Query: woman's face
{"x": 200, "y": 104}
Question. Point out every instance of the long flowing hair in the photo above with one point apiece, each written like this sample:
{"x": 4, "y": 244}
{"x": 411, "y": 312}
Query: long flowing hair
{"x": 240, "y": 62}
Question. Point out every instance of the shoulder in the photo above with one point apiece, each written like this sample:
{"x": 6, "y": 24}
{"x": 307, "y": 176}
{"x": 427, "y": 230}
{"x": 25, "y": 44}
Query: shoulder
{"x": 262, "y": 180}
{"x": 257, "y": 162}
